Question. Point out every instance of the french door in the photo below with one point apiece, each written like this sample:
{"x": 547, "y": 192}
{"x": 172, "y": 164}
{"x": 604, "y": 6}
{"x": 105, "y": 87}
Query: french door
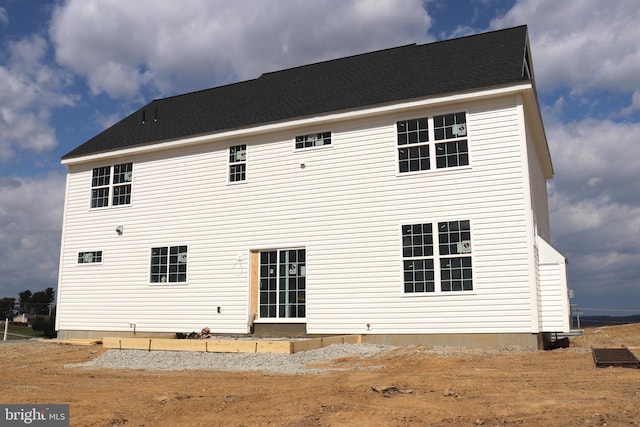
{"x": 282, "y": 283}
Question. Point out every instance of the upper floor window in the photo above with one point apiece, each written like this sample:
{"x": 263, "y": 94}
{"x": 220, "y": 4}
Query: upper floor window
{"x": 238, "y": 163}
{"x": 111, "y": 186}
{"x": 413, "y": 145}
{"x": 313, "y": 140}
{"x": 452, "y": 130}
{"x": 444, "y": 135}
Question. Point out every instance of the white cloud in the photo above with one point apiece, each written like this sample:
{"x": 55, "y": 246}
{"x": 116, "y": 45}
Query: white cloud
{"x": 4, "y": 18}
{"x": 26, "y": 130}
{"x": 123, "y": 46}
{"x": 594, "y": 203}
{"x": 583, "y": 44}
{"x": 591, "y": 156}
{"x": 635, "y": 104}
{"x": 586, "y": 57}
{"x": 30, "y": 227}
{"x": 605, "y": 221}
{"x": 29, "y": 90}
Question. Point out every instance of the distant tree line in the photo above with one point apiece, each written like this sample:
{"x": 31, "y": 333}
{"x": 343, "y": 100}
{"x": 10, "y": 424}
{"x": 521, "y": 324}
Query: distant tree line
{"x": 7, "y": 308}
{"x": 39, "y": 304}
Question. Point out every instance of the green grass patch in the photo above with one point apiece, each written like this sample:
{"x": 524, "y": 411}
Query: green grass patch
{"x": 17, "y": 332}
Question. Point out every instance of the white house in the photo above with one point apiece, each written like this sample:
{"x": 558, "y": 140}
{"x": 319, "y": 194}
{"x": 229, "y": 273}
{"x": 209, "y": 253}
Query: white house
{"x": 399, "y": 194}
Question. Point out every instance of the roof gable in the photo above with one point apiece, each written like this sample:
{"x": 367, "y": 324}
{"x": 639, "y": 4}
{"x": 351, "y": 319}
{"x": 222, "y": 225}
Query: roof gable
{"x": 386, "y": 76}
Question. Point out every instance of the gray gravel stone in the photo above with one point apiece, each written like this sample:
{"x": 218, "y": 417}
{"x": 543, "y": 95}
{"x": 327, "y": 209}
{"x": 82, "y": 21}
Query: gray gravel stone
{"x": 263, "y": 362}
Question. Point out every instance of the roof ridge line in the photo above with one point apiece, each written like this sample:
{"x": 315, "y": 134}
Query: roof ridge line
{"x": 338, "y": 59}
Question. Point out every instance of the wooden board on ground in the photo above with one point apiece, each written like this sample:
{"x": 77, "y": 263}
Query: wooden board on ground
{"x": 72, "y": 341}
{"x": 221, "y": 345}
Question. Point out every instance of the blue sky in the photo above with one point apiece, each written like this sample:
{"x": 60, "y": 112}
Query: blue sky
{"x": 69, "y": 69}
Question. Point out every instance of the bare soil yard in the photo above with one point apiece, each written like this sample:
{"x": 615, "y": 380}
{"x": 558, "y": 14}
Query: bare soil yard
{"x": 457, "y": 388}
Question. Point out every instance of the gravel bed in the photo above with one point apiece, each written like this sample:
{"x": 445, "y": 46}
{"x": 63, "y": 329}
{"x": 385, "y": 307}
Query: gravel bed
{"x": 263, "y": 362}
{"x": 296, "y": 363}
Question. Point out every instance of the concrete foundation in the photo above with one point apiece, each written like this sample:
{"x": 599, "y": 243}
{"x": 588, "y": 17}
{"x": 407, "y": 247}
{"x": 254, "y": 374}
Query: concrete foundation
{"x": 525, "y": 341}
{"x": 98, "y": 335}
{"x": 271, "y": 330}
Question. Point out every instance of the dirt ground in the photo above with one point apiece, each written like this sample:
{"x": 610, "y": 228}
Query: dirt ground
{"x": 544, "y": 388}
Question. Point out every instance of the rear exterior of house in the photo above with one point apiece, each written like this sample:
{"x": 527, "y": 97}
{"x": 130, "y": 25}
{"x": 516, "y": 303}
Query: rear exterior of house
{"x": 375, "y": 195}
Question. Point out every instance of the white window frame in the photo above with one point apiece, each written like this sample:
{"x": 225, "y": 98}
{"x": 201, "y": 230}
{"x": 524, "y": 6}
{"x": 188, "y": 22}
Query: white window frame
{"x": 86, "y": 258}
{"x": 110, "y": 186}
{"x": 167, "y": 265}
{"x": 431, "y": 143}
{"x": 437, "y": 257}
{"x": 314, "y": 135}
{"x": 277, "y": 278}
{"x": 419, "y": 145}
{"x": 237, "y": 162}
{"x": 460, "y": 134}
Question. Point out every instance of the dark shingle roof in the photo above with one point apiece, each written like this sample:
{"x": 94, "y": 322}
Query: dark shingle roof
{"x": 391, "y": 75}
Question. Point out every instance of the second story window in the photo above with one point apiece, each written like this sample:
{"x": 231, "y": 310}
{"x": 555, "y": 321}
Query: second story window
{"x": 111, "y": 186}
{"x": 442, "y": 139}
{"x": 313, "y": 140}
{"x": 100, "y": 187}
{"x": 413, "y": 145}
{"x": 122, "y": 175}
{"x": 238, "y": 163}
{"x": 451, "y": 129}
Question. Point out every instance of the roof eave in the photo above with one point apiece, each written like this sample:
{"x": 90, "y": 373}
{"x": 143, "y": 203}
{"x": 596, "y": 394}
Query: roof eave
{"x": 456, "y": 97}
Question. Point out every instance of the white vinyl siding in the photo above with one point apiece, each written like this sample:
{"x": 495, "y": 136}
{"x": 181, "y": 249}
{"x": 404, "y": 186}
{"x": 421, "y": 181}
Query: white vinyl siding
{"x": 345, "y": 207}
{"x": 554, "y": 314}
{"x": 538, "y": 185}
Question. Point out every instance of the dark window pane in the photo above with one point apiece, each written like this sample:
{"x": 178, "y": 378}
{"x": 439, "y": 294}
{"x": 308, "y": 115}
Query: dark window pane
{"x": 122, "y": 173}
{"x": 450, "y": 126}
{"x": 414, "y": 132}
{"x": 313, "y": 140}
